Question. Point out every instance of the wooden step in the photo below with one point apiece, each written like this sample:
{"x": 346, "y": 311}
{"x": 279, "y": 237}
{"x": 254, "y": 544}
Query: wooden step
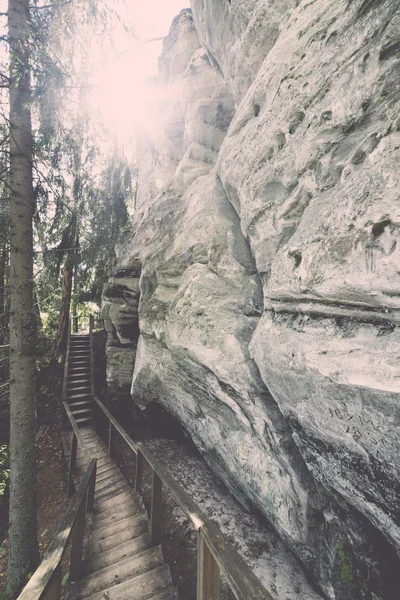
{"x": 112, "y": 480}
{"x": 76, "y": 378}
{"x": 103, "y": 477}
{"x": 141, "y": 587}
{"x": 78, "y": 372}
{"x": 111, "y": 541}
{"x": 79, "y": 403}
{"x": 114, "y": 485}
{"x": 81, "y": 411}
{"x": 79, "y": 383}
{"x": 101, "y": 533}
{"x": 78, "y": 363}
{"x": 116, "y": 513}
{"x": 111, "y": 517}
{"x": 77, "y": 396}
{"x": 120, "y": 572}
{"x": 112, "y": 556}
{"x": 81, "y": 420}
{"x": 86, "y": 389}
{"x": 113, "y": 492}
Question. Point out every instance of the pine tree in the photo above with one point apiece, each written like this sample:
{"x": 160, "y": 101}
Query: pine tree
{"x": 23, "y": 553}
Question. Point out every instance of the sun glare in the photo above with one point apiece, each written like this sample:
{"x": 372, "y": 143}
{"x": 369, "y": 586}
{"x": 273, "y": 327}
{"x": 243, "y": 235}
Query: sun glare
{"x": 121, "y": 97}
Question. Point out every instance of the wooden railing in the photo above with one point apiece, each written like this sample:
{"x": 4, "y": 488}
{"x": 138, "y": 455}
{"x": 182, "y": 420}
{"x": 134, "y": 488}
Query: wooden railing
{"x": 45, "y": 583}
{"x": 215, "y": 552}
{"x": 66, "y": 362}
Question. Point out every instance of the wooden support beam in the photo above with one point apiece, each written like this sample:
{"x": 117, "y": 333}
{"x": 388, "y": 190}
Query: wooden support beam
{"x": 77, "y": 535}
{"x": 110, "y": 438}
{"x": 53, "y": 591}
{"x": 208, "y": 572}
{"x": 72, "y": 463}
{"x": 156, "y": 510}
{"x": 139, "y": 472}
{"x": 91, "y": 490}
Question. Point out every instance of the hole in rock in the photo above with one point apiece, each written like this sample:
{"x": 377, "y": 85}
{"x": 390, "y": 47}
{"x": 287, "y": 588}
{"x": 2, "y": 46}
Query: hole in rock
{"x": 257, "y": 110}
{"x": 379, "y": 228}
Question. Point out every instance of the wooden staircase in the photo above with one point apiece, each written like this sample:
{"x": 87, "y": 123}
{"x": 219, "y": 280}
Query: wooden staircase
{"x": 79, "y": 379}
{"x": 120, "y": 562}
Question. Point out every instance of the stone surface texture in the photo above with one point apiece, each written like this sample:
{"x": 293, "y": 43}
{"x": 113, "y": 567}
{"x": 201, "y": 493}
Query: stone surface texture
{"x": 259, "y": 297}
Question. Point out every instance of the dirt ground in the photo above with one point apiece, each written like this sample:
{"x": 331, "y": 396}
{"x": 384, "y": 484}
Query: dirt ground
{"x": 51, "y": 494}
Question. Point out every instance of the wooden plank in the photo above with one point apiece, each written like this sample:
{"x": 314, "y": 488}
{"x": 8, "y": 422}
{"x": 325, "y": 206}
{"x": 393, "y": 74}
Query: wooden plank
{"x": 139, "y": 472}
{"x": 114, "y": 555}
{"x": 141, "y": 587}
{"x": 208, "y": 573}
{"x": 112, "y": 541}
{"x": 119, "y": 572}
{"x": 156, "y": 510}
{"x": 41, "y": 579}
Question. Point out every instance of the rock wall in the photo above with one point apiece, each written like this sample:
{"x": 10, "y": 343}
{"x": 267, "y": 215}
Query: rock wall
{"x": 259, "y": 297}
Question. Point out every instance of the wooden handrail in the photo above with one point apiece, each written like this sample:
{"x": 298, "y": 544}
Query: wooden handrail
{"x": 66, "y": 363}
{"x": 75, "y": 428}
{"x": 215, "y": 550}
{"x": 46, "y": 581}
{"x": 132, "y": 445}
{"x": 91, "y": 326}
{"x": 76, "y": 438}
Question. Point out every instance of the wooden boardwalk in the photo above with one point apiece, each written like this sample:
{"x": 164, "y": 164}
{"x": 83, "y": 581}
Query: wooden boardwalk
{"x": 119, "y": 561}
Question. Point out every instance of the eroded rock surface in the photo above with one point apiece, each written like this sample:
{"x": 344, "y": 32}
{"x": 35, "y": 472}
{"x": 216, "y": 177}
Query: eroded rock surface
{"x": 263, "y": 274}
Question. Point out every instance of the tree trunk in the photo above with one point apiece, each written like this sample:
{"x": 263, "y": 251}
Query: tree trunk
{"x": 23, "y": 552}
{"x": 66, "y": 292}
{"x": 3, "y": 292}
{"x": 69, "y": 265}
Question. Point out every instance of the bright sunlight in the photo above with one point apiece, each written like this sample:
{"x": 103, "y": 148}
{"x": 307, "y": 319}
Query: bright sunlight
{"x": 120, "y": 95}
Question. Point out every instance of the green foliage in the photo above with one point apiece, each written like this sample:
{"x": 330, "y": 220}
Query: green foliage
{"x": 4, "y": 470}
{"x": 346, "y": 571}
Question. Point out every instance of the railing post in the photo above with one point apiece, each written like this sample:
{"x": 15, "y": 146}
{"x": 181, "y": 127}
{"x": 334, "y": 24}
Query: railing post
{"x": 110, "y": 438}
{"x": 76, "y": 329}
{"x": 72, "y": 463}
{"x": 92, "y": 384}
{"x": 53, "y": 591}
{"x": 91, "y": 490}
{"x": 208, "y": 573}
{"x": 77, "y": 535}
{"x": 139, "y": 471}
{"x": 156, "y": 510}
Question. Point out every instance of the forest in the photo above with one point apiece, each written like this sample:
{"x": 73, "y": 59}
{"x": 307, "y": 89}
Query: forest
{"x": 66, "y": 185}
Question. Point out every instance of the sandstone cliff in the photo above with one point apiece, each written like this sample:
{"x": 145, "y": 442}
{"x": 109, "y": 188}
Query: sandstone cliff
{"x": 258, "y": 299}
